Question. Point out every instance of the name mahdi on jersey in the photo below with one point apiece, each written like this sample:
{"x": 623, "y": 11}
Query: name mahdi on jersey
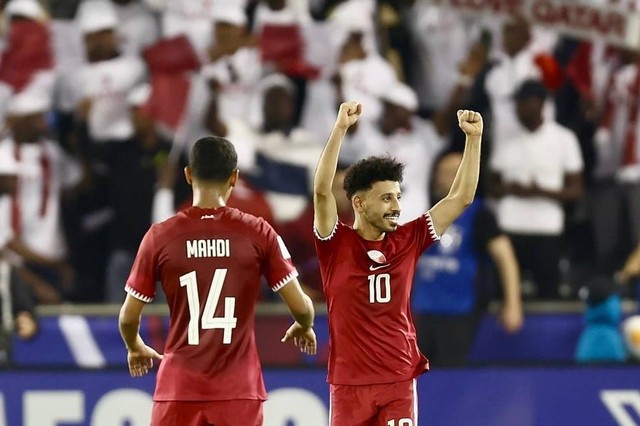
{"x": 208, "y": 248}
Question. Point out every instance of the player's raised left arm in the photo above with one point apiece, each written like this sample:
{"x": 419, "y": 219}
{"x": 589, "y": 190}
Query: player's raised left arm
{"x": 324, "y": 202}
{"x": 463, "y": 188}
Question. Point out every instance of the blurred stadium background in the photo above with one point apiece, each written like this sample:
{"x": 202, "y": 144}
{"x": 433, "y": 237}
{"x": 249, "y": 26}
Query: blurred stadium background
{"x": 119, "y": 88}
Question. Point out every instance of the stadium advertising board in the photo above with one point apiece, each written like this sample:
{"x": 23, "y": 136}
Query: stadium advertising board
{"x": 580, "y": 18}
{"x": 480, "y": 397}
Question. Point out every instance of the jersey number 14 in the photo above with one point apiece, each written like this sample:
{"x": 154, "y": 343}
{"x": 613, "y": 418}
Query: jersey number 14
{"x": 209, "y": 321}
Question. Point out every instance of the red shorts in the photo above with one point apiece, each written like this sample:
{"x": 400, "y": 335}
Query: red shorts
{"x": 388, "y": 404}
{"x": 207, "y": 413}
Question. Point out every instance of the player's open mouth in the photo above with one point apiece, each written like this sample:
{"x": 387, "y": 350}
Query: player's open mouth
{"x": 393, "y": 218}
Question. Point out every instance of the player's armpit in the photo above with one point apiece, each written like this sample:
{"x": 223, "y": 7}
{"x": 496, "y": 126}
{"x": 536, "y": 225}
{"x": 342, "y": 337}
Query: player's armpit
{"x": 325, "y": 214}
{"x": 445, "y": 212}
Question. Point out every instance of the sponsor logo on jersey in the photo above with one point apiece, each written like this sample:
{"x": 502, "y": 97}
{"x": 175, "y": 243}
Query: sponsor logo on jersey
{"x": 375, "y": 268}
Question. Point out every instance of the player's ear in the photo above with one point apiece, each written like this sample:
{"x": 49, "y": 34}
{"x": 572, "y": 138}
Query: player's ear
{"x": 233, "y": 179}
{"x": 357, "y": 202}
{"x": 187, "y": 175}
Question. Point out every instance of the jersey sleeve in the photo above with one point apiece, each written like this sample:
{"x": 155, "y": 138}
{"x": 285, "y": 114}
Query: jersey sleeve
{"x": 278, "y": 267}
{"x": 141, "y": 283}
{"x": 424, "y": 232}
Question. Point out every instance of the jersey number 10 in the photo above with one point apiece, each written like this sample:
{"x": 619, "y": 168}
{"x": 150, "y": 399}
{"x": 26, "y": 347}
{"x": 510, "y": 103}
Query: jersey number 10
{"x": 401, "y": 422}
{"x": 379, "y": 288}
{"x": 228, "y": 322}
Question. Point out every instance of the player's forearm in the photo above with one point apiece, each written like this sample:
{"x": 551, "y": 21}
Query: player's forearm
{"x": 326, "y": 170}
{"x": 306, "y": 319}
{"x": 130, "y": 331}
{"x": 510, "y": 280}
{"x": 465, "y": 183}
{"x": 504, "y": 257}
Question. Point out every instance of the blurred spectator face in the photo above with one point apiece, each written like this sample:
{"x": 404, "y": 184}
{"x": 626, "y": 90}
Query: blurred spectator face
{"x": 445, "y": 172}
{"x": 529, "y": 111}
{"x": 343, "y": 203}
{"x": 27, "y": 128}
{"x": 228, "y": 35}
{"x": 278, "y": 109}
{"x": 353, "y": 48}
{"x": 276, "y": 4}
{"x": 515, "y": 35}
{"x": 8, "y": 184}
{"x": 395, "y": 117}
{"x": 101, "y": 45}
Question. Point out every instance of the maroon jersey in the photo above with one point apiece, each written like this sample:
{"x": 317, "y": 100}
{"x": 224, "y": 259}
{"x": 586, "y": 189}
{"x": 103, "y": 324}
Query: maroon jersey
{"x": 209, "y": 262}
{"x": 367, "y": 284}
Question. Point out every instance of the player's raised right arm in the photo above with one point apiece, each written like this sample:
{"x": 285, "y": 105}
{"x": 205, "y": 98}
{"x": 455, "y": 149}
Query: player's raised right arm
{"x": 324, "y": 203}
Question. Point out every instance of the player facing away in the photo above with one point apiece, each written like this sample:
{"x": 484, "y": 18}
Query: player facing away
{"x": 209, "y": 259}
{"x": 367, "y": 270}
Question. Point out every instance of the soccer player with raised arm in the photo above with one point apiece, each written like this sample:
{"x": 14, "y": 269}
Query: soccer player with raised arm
{"x": 367, "y": 270}
{"x": 209, "y": 259}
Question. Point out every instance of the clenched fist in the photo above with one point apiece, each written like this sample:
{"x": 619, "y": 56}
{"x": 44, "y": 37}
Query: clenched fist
{"x": 348, "y": 114}
{"x": 470, "y": 122}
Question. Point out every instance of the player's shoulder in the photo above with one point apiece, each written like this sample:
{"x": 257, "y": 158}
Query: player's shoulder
{"x": 340, "y": 229}
{"x": 408, "y": 228}
{"x": 246, "y": 221}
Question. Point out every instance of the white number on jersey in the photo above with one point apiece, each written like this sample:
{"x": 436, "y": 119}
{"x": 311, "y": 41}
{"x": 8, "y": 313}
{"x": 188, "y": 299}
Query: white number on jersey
{"x": 228, "y": 322}
{"x": 401, "y": 422}
{"x": 379, "y": 288}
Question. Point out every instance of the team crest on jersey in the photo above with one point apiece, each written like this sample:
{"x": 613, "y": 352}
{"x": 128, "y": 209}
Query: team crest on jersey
{"x": 377, "y": 256}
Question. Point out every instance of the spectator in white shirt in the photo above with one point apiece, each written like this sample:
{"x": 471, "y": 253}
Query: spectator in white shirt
{"x": 45, "y": 171}
{"x": 103, "y": 84}
{"x": 515, "y": 64}
{"x": 235, "y": 66}
{"x": 137, "y": 27}
{"x": 533, "y": 175}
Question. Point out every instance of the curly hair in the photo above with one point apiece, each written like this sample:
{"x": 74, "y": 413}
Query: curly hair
{"x": 363, "y": 174}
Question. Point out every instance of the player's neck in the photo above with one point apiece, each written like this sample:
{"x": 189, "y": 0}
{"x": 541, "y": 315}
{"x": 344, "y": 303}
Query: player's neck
{"x": 366, "y": 231}
{"x": 209, "y": 198}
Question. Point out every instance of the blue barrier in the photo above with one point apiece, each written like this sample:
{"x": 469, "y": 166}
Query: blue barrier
{"x": 586, "y": 396}
{"x": 94, "y": 342}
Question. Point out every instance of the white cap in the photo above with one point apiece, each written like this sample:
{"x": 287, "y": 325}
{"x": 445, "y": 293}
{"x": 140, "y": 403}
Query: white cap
{"x": 401, "y": 95}
{"x": 139, "y": 95}
{"x": 276, "y": 80}
{"x": 96, "y": 15}
{"x": 354, "y": 16}
{"x": 36, "y": 97}
{"x": 27, "y": 8}
{"x": 230, "y": 14}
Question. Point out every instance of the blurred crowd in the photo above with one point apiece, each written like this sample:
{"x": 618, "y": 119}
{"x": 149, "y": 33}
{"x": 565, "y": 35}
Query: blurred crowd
{"x": 100, "y": 100}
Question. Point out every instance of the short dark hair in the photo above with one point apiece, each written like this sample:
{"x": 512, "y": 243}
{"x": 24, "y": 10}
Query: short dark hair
{"x": 213, "y": 158}
{"x": 364, "y": 173}
{"x": 530, "y": 89}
